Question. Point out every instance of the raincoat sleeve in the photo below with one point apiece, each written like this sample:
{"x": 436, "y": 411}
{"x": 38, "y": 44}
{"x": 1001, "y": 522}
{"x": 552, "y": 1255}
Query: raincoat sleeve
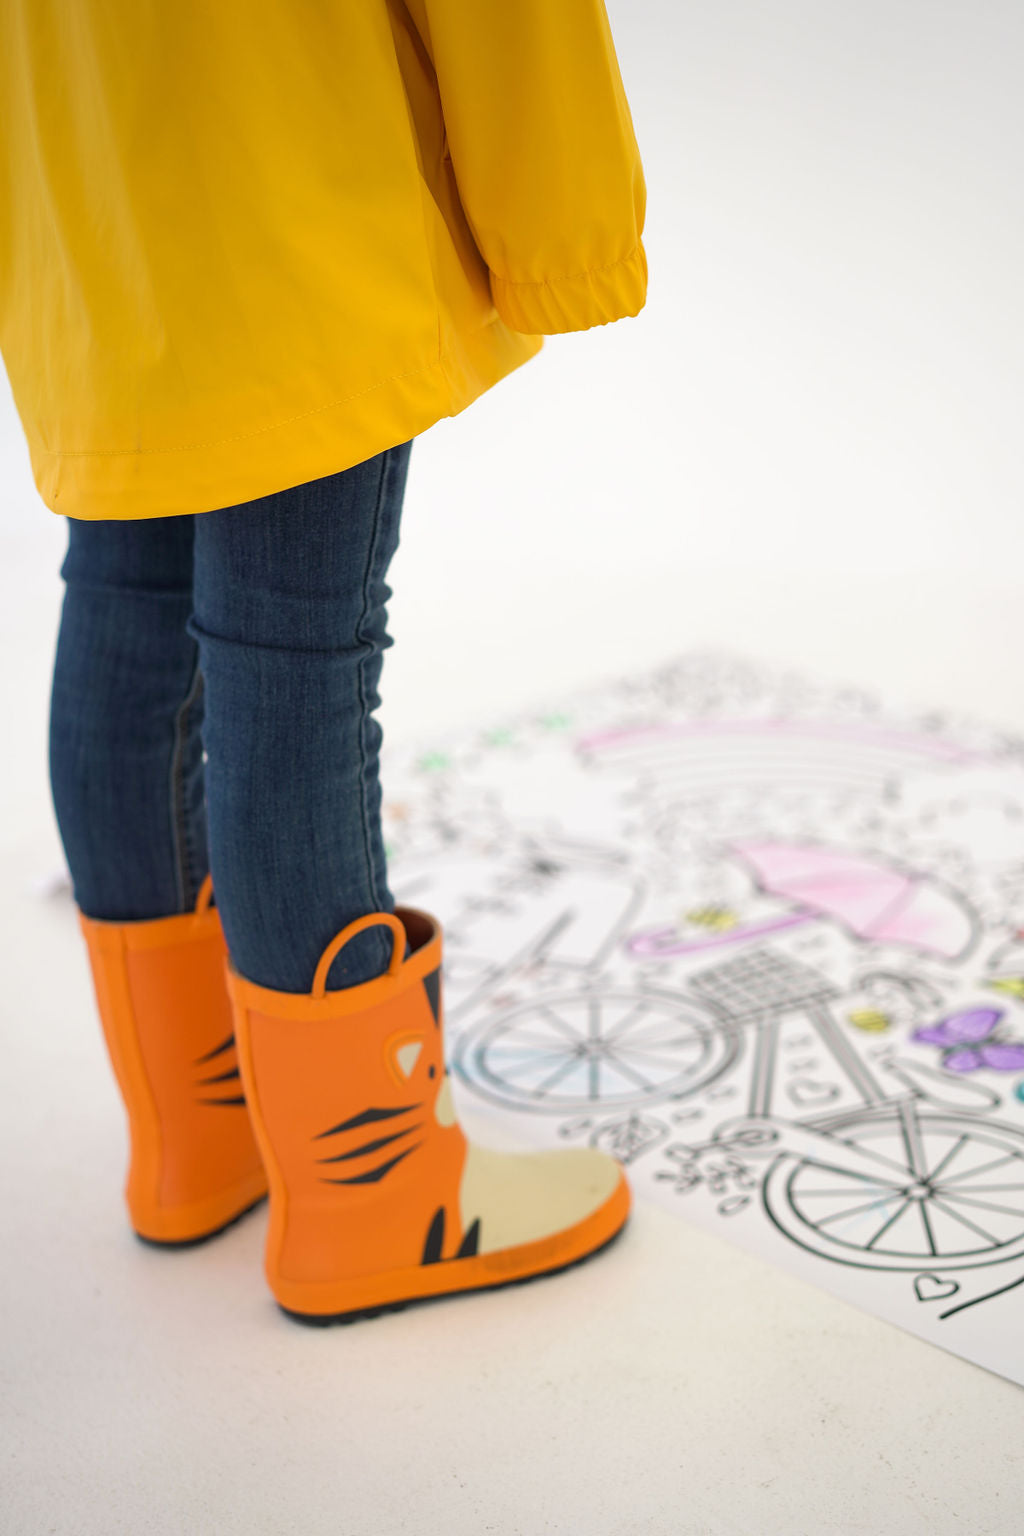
{"x": 541, "y": 141}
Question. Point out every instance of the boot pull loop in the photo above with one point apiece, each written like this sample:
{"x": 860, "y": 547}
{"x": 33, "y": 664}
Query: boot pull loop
{"x": 397, "y": 946}
{"x": 205, "y": 895}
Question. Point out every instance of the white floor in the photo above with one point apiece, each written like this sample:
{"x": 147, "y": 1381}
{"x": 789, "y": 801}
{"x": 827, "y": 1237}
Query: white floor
{"x": 675, "y": 1384}
{"x": 805, "y": 449}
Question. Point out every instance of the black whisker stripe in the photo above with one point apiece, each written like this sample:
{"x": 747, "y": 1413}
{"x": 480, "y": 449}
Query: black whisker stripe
{"x": 367, "y": 1117}
{"x": 224, "y": 1045}
{"x": 471, "y": 1242}
{"x": 434, "y": 1244}
{"x": 240, "y": 1100}
{"x": 375, "y": 1174}
{"x": 371, "y": 1146}
{"x": 223, "y": 1077}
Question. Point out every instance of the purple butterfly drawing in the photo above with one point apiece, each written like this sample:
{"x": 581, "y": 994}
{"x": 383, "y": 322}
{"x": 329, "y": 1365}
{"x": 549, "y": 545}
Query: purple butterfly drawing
{"x": 967, "y": 1042}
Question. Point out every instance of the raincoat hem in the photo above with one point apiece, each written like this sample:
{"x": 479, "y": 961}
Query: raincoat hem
{"x": 175, "y": 481}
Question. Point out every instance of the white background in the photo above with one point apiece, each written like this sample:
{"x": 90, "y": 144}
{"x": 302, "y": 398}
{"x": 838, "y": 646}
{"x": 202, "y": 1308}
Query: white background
{"x": 807, "y": 448}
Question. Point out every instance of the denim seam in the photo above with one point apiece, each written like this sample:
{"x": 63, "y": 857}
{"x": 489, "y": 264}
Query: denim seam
{"x": 180, "y": 831}
{"x": 363, "y": 712}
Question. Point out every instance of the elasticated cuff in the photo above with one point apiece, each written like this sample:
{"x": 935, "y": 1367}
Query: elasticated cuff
{"x": 590, "y": 298}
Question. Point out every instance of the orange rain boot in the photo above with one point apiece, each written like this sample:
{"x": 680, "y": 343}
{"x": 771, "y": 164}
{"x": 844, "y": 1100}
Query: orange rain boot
{"x": 194, "y": 1166}
{"x": 376, "y": 1197}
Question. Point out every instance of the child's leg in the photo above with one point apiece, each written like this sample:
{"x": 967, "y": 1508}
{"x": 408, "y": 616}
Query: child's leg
{"x": 125, "y": 753}
{"x": 290, "y": 617}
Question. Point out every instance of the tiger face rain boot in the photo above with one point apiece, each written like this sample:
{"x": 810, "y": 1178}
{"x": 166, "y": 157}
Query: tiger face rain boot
{"x": 377, "y": 1199}
{"x": 193, "y": 1164}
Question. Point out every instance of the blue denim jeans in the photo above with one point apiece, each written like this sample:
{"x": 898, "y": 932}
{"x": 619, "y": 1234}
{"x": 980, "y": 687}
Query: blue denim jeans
{"x": 254, "y": 634}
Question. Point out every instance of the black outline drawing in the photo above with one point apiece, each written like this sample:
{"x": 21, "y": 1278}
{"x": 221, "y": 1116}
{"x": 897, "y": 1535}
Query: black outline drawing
{"x": 535, "y": 1031}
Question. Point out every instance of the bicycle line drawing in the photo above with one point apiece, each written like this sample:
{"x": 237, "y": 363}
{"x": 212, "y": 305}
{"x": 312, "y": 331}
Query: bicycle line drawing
{"x": 570, "y": 1003}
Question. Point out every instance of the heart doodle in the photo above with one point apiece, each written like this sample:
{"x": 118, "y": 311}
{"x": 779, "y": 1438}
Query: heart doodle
{"x": 932, "y": 1288}
{"x": 805, "y": 1091}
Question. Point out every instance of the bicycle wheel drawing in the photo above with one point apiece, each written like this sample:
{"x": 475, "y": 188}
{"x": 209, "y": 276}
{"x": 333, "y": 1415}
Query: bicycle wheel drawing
{"x": 955, "y": 1199}
{"x": 605, "y": 1049}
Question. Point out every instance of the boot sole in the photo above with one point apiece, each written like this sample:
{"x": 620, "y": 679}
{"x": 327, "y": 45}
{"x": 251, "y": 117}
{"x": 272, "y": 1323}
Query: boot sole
{"x": 201, "y": 1237}
{"x": 477, "y": 1271}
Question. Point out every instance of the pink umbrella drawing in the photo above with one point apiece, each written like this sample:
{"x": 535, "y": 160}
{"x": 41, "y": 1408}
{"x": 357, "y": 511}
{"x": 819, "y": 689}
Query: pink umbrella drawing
{"x": 872, "y": 899}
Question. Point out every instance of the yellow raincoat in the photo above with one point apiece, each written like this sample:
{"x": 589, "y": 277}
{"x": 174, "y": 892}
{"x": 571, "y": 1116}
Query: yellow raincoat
{"x": 248, "y": 243}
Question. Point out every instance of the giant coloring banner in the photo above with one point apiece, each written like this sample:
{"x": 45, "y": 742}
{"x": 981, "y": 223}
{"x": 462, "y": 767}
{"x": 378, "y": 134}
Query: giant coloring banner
{"x": 763, "y": 940}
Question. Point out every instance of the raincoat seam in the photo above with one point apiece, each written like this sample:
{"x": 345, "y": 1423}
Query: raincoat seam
{"x": 547, "y": 282}
{"x": 216, "y": 442}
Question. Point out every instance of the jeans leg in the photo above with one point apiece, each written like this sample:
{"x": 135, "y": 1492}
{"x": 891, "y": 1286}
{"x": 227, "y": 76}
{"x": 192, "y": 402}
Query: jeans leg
{"x": 290, "y": 619}
{"x": 125, "y": 749}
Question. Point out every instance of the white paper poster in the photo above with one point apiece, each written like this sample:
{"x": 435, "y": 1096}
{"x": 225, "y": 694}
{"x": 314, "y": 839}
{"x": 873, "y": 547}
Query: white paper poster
{"x": 763, "y": 940}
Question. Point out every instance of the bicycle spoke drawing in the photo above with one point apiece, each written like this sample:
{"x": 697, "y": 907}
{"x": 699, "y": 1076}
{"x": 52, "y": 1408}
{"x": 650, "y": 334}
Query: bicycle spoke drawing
{"x": 956, "y": 1202}
{"x": 606, "y": 1049}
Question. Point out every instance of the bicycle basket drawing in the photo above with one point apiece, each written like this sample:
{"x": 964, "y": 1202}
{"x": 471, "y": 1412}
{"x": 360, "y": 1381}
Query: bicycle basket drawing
{"x": 761, "y": 982}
